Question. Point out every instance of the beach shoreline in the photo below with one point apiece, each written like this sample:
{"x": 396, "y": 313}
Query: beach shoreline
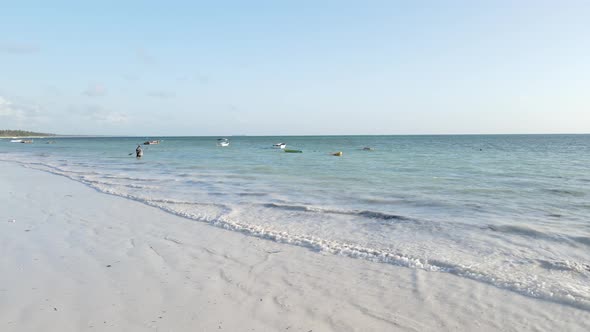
{"x": 75, "y": 259}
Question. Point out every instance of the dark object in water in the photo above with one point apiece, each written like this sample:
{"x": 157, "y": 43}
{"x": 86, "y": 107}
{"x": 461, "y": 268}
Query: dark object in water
{"x": 366, "y": 148}
{"x": 151, "y": 142}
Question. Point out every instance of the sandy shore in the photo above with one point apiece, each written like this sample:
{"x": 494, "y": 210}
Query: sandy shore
{"x": 73, "y": 259}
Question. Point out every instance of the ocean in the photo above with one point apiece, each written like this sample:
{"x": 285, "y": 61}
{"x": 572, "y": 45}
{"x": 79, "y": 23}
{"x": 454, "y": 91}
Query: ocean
{"x": 512, "y": 211}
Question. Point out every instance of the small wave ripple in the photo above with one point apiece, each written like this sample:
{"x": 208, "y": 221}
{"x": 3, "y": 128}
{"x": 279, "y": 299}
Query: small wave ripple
{"x": 362, "y": 213}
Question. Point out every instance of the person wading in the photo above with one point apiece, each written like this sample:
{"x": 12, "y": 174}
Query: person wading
{"x": 138, "y": 152}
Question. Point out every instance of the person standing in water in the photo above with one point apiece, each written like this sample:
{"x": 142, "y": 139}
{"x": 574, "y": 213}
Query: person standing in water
{"x": 138, "y": 152}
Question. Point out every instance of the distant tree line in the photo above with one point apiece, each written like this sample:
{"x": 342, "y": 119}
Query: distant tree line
{"x": 17, "y": 133}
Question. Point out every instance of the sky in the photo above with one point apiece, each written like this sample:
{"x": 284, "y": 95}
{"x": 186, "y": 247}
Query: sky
{"x": 301, "y": 67}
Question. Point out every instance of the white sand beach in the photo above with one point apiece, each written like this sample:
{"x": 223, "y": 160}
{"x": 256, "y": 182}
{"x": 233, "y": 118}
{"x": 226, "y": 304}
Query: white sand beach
{"x": 74, "y": 259}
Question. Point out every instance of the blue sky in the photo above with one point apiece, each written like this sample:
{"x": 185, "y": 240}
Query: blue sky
{"x": 295, "y": 67}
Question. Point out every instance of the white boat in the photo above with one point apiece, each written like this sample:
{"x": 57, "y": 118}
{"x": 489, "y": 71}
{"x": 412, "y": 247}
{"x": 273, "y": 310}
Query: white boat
{"x": 222, "y": 142}
{"x": 16, "y": 141}
{"x": 279, "y": 145}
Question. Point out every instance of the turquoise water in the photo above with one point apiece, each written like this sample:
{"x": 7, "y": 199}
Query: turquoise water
{"x": 509, "y": 210}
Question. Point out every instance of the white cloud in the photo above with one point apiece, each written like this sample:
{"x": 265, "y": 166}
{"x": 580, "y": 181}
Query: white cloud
{"x": 99, "y": 114}
{"x": 20, "y": 115}
{"x": 18, "y": 112}
{"x": 95, "y": 90}
{"x": 113, "y": 117}
{"x": 6, "y": 108}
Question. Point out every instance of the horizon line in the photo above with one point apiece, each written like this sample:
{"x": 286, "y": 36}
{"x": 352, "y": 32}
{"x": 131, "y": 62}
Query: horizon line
{"x": 304, "y": 135}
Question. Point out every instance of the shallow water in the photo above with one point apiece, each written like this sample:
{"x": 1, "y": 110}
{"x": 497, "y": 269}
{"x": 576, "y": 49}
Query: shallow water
{"x": 509, "y": 210}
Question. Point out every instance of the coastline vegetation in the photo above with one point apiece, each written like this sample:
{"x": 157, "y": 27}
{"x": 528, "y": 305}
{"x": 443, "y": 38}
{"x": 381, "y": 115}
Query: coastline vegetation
{"x": 21, "y": 133}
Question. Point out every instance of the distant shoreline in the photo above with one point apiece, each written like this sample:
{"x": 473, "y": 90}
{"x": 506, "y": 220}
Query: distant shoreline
{"x": 17, "y": 133}
{"x": 27, "y": 136}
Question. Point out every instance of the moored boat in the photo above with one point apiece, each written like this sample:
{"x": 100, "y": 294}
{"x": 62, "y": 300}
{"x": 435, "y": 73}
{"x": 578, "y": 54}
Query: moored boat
{"x": 222, "y": 142}
{"x": 279, "y": 145}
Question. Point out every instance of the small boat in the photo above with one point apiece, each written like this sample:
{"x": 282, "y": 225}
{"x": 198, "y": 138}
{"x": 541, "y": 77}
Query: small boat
{"x": 151, "y": 142}
{"x": 367, "y": 148}
{"x": 222, "y": 142}
{"x": 293, "y": 151}
{"x": 279, "y": 145}
{"x": 27, "y": 141}
{"x": 337, "y": 154}
{"x": 16, "y": 141}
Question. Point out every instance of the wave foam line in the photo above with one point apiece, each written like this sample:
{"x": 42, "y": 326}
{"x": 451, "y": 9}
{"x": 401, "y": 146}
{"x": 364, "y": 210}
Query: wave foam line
{"x": 382, "y": 256}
